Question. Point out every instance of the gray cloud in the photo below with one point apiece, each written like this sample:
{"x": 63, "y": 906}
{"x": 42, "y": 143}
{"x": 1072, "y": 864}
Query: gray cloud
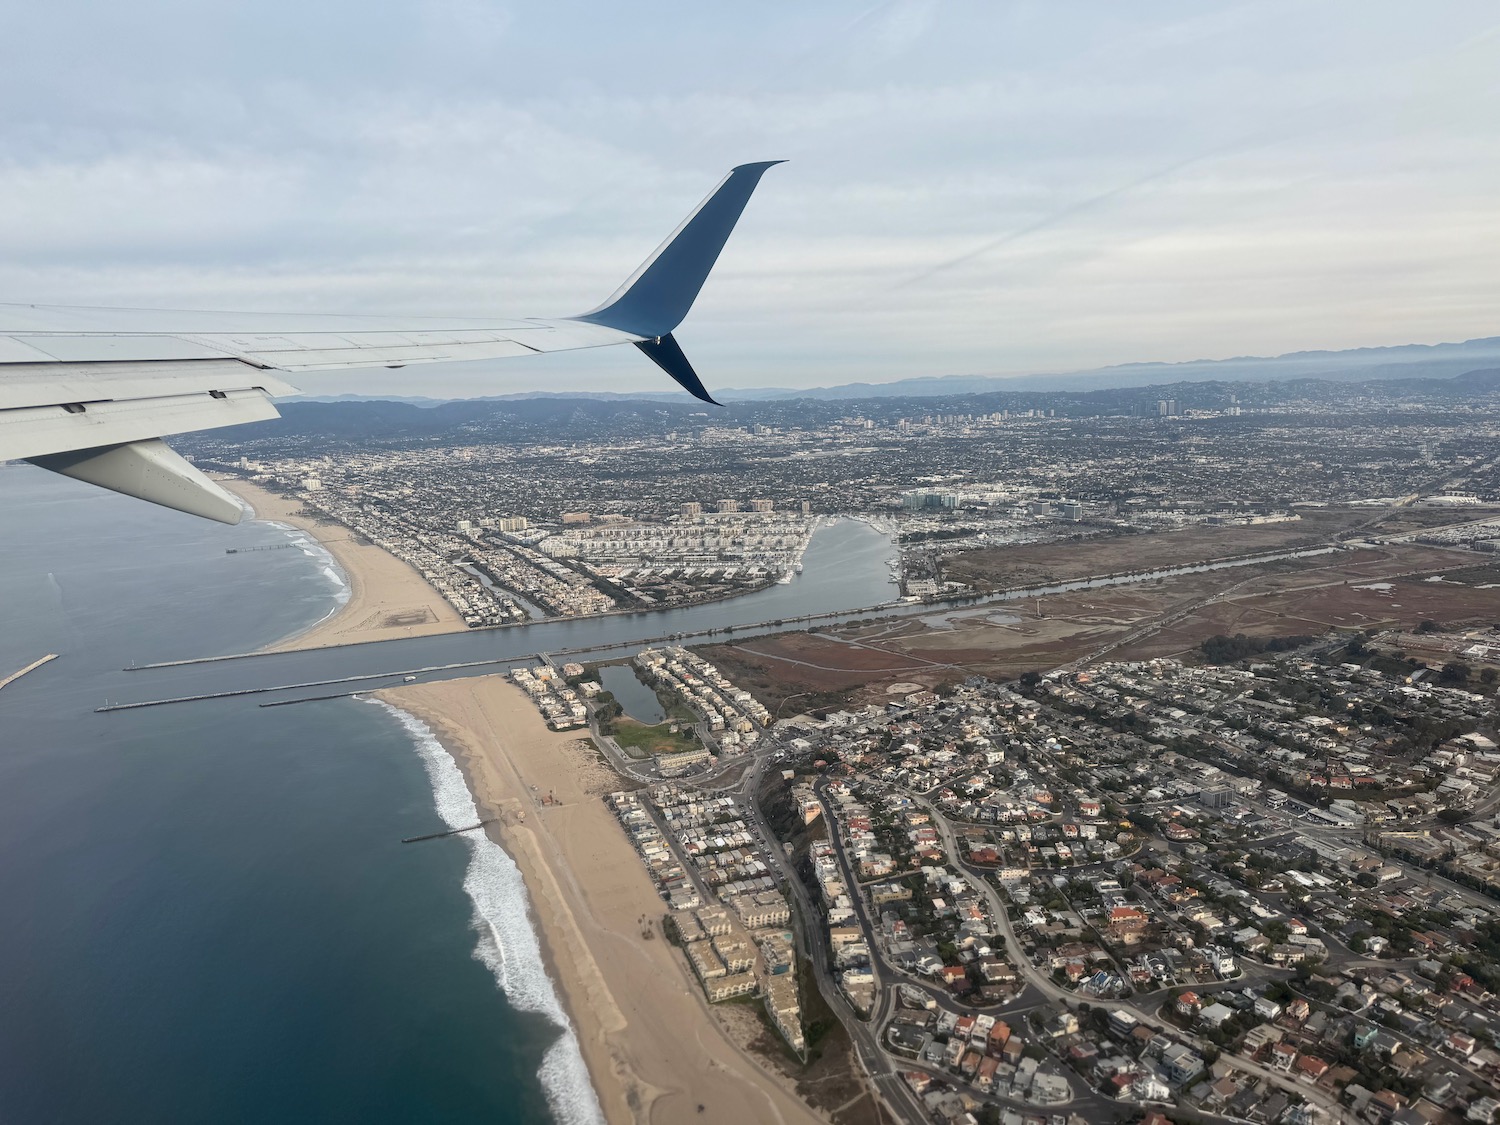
{"x": 974, "y": 186}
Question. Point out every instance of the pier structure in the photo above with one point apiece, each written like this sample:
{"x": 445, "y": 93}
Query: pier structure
{"x": 32, "y": 667}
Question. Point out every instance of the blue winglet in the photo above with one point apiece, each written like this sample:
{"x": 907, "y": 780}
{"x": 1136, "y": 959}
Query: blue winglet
{"x": 666, "y": 354}
{"x": 659, "y": 293}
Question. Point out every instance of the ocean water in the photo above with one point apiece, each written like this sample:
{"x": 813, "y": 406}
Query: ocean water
{"x": 508, "y": 944}
{"x": 209, "y": 916}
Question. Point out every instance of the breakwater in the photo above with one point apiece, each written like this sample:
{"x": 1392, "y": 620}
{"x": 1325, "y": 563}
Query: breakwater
{"x": 578, "y": 643}
{"x": 32, "y": 667}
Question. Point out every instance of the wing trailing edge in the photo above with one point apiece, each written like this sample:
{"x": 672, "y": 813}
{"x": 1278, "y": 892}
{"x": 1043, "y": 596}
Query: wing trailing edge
{"x": 93, "y": 403}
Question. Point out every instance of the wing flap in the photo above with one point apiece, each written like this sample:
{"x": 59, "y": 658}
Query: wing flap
{"x": 321, "y": 351}
{"x": 51, "y": 384}
{"x": 35, "y": 431}
{"x": 376, "y": 349}
{"x": 113, "y": 347}
{"x": 148, "y": 470}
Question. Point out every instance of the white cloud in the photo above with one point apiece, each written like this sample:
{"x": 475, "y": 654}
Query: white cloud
{"x": 974, "y": 186}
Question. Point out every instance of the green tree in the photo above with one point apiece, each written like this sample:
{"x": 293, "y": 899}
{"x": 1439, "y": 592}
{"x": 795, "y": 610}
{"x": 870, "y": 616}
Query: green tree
{"x": 1454, "y": 672}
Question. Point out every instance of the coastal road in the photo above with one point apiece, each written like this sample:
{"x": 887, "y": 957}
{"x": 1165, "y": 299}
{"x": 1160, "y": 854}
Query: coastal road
{"x": 878, "y": 1068}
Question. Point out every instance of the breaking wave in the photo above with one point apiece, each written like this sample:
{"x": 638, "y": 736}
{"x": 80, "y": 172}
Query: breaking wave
{"x": 507, "y": 943}
{"x": 331, "y": 569}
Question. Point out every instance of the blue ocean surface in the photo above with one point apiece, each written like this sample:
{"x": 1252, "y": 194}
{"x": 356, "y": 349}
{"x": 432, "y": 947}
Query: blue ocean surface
{"x": 209, "y": 913}
{"x": 209, "y": 916}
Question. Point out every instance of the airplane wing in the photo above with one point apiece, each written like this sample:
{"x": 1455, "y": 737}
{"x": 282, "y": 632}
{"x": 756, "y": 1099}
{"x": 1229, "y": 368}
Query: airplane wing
{"x": 93, "y": 403}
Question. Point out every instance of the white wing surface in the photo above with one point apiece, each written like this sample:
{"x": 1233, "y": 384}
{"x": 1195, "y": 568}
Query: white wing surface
{"x": 93, "y": 403}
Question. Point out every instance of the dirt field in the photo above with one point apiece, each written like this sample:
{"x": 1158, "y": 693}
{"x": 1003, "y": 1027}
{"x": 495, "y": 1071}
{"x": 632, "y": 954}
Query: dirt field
{"x": 795, "y": 672}
{"x": 1003, "y": 568}
{"x": 1391, "y": 589}
{"x": 829, "y": 1082}
{"x": 1404, "y": 520}
{"x": 1380, "y": 588}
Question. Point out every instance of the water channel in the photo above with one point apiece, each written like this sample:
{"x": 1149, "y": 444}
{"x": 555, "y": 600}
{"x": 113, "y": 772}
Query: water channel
{"x": 847, "y": 567}
{"x": 846, "y": 577}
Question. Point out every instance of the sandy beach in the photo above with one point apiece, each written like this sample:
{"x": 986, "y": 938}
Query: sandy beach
{"x": 387, "y": 597}
{"x": 654, "y": 1050}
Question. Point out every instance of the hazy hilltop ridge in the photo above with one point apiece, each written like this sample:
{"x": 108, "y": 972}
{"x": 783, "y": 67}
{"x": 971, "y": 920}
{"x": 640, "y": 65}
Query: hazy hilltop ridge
{"x": 538, "y": 417}
{"x": 1406, "y": 361}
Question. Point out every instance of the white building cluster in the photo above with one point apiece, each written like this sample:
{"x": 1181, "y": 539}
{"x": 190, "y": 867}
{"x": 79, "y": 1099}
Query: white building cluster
{"x": 438, "y": 558}
{"x": 740, "y": 947}
{"x": 783, "y": 1004}
{"x": 714, "y": 836}
{"x": 709, "y": 693}
{"x": 555, "y": 587}
{"x": 851, "y": 953}
{"x": 562, "y": 707}
{"x": 671, "y": 879}
{"x": 753, "y": 545}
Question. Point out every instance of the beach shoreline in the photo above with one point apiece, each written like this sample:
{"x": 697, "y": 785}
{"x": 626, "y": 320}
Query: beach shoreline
{"x": 387, "y": 598}
{"x": 654, "y": 1051}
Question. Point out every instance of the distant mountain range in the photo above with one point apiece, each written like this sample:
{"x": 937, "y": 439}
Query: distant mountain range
{"x": 520, "y": 418}
{"x": 1405, "y": 361}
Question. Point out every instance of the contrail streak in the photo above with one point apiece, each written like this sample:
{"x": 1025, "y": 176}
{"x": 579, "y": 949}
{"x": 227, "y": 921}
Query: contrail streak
{"x": 1069, "y": 211}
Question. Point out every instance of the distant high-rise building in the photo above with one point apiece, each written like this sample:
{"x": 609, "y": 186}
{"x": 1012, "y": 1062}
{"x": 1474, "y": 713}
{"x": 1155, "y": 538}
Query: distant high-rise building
{"x": 691, "y": 508}
{"x": 920, "y": 499}
{"x": 729, "y": 505}
{"x": 806, "y": 506}
{"x": 1161, "y": 408}
{"x": 762, "y": 505}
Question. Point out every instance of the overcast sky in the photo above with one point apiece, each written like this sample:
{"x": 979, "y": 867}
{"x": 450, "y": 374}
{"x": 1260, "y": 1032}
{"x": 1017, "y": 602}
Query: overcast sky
{"x": 974, "y": 187}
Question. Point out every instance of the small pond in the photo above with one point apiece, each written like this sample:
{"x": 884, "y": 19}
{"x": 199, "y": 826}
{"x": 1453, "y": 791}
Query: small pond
{"x": 638, "y": 700}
